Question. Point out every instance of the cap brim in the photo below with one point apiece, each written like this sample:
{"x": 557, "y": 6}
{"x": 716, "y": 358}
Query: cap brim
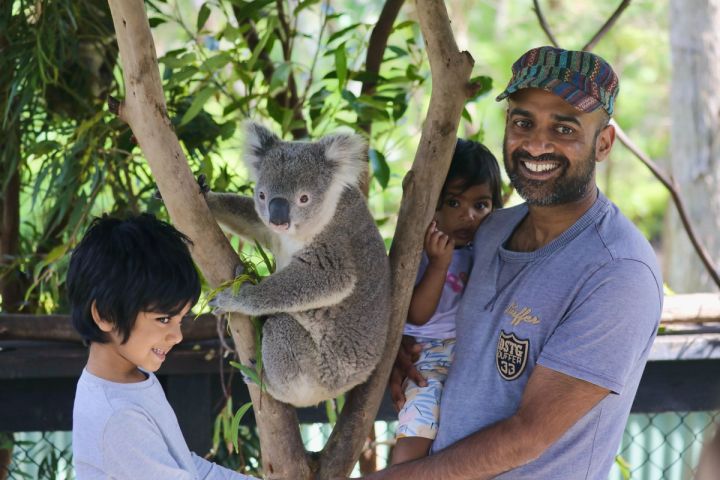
{"x": 567, "y": 91}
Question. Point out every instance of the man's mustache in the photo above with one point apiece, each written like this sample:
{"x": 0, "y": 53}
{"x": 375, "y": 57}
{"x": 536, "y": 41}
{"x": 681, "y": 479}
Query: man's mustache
{"x": 518, "y": 155}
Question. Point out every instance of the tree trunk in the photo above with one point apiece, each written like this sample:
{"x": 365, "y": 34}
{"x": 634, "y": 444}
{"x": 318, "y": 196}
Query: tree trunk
{"x": 144, "y": 109}
{"x": 695, "y": 141}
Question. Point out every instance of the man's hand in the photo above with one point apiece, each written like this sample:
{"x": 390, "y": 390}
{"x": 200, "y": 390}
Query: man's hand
{"x": 403, "y": 368}
{"x": 438, "y": 246}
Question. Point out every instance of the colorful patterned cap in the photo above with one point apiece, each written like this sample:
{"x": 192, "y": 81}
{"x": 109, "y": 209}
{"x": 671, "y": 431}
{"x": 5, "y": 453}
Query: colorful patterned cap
{"x": 582, "y": 79}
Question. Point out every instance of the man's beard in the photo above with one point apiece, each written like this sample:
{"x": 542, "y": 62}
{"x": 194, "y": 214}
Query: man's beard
{"x": 557, "y": 191}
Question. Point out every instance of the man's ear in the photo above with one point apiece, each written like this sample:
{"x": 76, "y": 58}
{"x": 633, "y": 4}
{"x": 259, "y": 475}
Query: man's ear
{"x": 102, "y": 324}
{"x": 604, "y": 143}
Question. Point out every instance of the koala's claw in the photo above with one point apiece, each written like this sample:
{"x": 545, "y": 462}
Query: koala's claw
{"x": 157, "y": 195}
{"x": 239, "y": 270}
{"x": 202, "y": 183}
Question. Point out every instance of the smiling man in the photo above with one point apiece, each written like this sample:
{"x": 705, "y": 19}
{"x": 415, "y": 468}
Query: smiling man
{"x": 563, "y": 300}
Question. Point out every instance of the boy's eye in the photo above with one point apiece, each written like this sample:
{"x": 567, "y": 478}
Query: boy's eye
{"x": 453, "y": 203}
{"x": 482, "y": 206}
{"x": 562, "y": 129}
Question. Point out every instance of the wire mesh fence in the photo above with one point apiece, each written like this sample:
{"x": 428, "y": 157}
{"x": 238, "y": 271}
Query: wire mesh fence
{"x": 655, "y": 446}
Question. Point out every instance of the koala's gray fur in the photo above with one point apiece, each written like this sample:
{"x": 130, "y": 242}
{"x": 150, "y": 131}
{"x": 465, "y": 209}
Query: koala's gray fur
{"x": 328, "y": 303}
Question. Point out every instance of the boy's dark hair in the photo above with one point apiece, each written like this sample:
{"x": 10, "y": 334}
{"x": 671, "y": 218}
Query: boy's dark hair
{"x": 474, "y": 164}
{"x": 127, "y": 266}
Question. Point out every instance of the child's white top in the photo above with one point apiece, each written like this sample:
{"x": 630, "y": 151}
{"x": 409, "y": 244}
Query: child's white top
{"x": 129, "y": 431}
{"x": 442, "y": 324}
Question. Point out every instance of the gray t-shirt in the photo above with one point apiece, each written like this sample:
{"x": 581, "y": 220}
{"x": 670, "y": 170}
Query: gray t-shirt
{"x": 129, "y": 431}
{"x": 587, "y": 304}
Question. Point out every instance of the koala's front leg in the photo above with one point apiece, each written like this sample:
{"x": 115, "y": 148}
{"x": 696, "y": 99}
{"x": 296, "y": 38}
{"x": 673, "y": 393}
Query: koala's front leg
{"x": 313, "y": 279}
{"x": 237, "y": 214}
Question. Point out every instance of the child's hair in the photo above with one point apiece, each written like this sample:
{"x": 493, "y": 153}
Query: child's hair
{"x": 139, "y": 264}
{"x": 474, "y": 164}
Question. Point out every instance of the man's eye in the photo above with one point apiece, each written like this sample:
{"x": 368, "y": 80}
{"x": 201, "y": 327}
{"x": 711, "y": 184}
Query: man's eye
{"x": 522, "y": 123}
{"x": 164, "y": 320}
{"x": 562, "y": 129}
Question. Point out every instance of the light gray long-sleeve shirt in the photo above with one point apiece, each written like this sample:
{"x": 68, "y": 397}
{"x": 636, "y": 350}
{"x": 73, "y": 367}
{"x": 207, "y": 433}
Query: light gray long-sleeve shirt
{"x": 129, "y": 431}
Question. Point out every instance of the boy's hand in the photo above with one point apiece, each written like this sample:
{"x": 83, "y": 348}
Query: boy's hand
{"x": 438, "y": 246}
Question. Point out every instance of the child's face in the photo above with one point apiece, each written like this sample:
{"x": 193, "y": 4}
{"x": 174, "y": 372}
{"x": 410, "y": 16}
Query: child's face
{"x": 462, "y": 212}
{"x": 150, "y": 340}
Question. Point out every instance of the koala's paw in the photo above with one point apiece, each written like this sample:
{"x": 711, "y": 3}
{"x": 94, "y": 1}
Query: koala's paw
{"x": 223, "y": 302}
{"x": 202, "y": 183}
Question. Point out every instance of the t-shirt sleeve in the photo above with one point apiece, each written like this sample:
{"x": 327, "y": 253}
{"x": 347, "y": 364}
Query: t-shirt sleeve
{"x": 133, "y": 448}
{"x": 211, "y": 471}
{"x": 609, "y": 327}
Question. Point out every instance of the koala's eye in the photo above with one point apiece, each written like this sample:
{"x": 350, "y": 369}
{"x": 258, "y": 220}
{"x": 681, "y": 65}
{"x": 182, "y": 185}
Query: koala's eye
{"x": 261, "y": 195}
{"x": 304, "y": 198}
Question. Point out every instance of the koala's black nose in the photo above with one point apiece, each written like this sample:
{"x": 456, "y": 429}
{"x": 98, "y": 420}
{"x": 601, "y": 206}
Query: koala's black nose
{"x": 279, "y": 210}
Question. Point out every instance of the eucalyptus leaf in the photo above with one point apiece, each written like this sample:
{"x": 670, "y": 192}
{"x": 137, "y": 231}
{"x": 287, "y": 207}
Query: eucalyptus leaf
{"x": 197, "y": 104}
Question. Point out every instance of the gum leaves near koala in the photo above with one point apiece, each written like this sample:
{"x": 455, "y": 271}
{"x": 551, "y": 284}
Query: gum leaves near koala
{"x": 327, "y": 305}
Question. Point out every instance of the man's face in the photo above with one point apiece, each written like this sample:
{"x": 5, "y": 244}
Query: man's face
{"x": 550, "y": 148}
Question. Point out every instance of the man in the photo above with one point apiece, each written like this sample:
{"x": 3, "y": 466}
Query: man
{"x": 563, "y": 301}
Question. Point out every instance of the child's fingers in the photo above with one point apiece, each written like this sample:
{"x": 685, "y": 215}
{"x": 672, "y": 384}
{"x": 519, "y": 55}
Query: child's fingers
{"x": 396, "y": 391}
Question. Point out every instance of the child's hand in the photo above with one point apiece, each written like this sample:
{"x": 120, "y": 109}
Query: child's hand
{"x": 438, "y": 246}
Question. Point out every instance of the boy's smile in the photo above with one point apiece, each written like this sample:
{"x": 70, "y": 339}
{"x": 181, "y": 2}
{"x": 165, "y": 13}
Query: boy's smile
{"x": 152, "y": 337}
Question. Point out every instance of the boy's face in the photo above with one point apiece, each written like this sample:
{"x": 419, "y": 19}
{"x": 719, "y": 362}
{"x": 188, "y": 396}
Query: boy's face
{"x": 151, "y": 338}
{"x": 461, "y": 212}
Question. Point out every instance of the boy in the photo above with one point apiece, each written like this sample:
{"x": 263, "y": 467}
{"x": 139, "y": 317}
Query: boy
{"x": 130, "y": 283}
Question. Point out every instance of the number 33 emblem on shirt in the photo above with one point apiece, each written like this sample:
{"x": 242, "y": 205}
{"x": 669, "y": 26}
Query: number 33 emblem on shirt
{"x": 511, "y": 357}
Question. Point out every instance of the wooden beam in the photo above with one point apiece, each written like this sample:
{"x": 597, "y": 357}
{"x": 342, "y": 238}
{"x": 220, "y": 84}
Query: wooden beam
{"x": 678, "y": 309}
{"x": 691, "y": 308}
{"x": 59, "y": 327}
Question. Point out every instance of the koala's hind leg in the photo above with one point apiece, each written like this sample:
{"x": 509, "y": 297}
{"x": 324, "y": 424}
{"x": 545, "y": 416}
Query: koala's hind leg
{"x": 290, "y": 361}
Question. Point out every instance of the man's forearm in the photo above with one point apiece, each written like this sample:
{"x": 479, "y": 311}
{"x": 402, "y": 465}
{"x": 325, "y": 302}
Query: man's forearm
{"x": 483, "y": 455}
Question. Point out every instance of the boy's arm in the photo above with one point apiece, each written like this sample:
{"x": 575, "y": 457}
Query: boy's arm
{"x": 426, "y": 296}
{"x": 132, "y": 447}
{"x": 211, "y": 471}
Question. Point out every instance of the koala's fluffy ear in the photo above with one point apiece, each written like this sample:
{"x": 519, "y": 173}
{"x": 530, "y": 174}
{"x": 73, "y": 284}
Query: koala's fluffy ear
{"x": 349, "y": 154}
{"x": 258, "y": 140}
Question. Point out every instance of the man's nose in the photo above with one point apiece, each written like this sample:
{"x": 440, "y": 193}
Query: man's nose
{"x": 537, "y": 143}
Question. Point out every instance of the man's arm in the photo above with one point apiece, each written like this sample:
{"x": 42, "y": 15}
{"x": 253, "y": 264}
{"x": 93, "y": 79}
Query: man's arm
{"x": 551, "y": 404}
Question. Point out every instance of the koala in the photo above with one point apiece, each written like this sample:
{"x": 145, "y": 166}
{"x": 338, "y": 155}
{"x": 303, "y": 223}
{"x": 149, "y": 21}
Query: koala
{"x": 327, "y": 305}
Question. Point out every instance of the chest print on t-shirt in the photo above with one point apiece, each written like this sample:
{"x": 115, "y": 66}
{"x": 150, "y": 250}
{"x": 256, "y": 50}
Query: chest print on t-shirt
{"x": 511, "y": 356}
{"x": 456, "y": 282}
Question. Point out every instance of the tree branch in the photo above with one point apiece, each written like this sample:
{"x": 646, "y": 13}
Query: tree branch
{"x": 673, "y": 188}
{"x": 145, "y": 111}
{"x": 451, "y": 71}
{"x": 376, "y": 49}
{"x": 544, "y": 24}
{"x": 608, "y": 25}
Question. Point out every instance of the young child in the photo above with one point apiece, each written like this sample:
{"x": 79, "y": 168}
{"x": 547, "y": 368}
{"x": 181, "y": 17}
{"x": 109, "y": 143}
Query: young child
{"x": 471, "y": 191}
{"x": 130, "y": 283}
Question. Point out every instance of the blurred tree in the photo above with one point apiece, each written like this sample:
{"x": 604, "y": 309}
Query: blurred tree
{"x": 695, "y": 140}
